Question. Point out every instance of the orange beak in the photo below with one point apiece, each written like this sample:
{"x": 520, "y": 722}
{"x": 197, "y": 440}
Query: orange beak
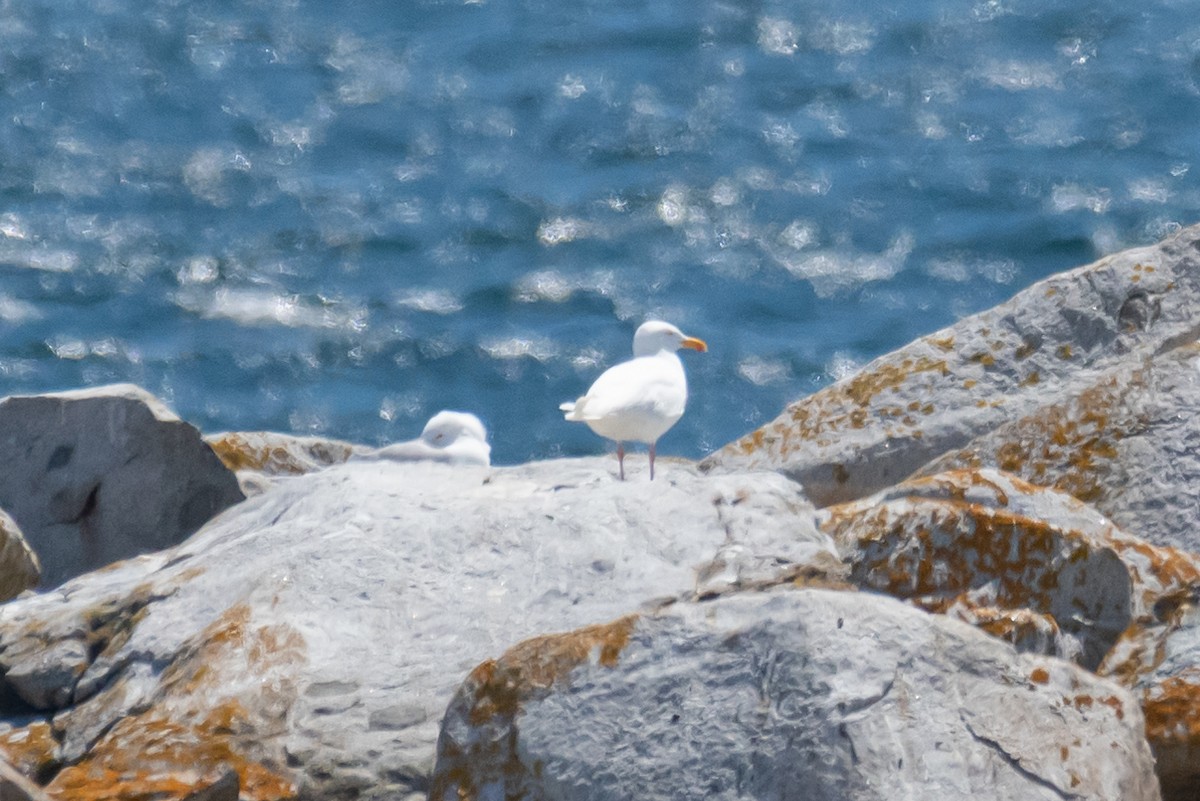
{"x": 694, "y": 344}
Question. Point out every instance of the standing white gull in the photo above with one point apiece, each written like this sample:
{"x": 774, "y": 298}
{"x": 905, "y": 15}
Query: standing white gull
{"x": 455, "y": 437}
{"x": 639, "y": 400}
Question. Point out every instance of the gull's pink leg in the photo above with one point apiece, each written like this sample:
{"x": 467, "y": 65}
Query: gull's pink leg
{"x": 652, "y": 444}
{"x": 621, "y": 459}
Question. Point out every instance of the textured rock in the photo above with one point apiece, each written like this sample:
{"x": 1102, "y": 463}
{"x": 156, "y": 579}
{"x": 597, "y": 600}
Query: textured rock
{"x": 1161, "y": 664}
{"x": 257, "y": 457}
{"x": 1050, "y": 343}
{"x": 32, "y": 751}
{"x": 1032, "y": 565}
{"x": 788, "y": 694}
{"x": 15, "y": 787}
{"x": 20, "y": 568}
{"x": 97, "y": 475}
{"x": 1128, "y": 444}
{"x": 311, "y": 637}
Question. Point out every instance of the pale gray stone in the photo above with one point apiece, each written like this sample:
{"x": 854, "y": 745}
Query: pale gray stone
{"x": 96, "y": 475}
{"x": 44, "y": 674}
{"x": 340, "y": 609}
{"x": 810, "y": 695}
{"x": 1128, "y": 444}
{"x": 1051, "y": 342}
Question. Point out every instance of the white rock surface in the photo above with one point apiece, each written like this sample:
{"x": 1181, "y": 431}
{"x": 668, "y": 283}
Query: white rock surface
{"x": 812, "y": 695}
{"x": 333, "y": 616}
{"x": 96, "y": 475}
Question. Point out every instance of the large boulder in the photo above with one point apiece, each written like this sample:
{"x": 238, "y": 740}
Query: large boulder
{"x": 93, "y": 476}
{"x": 311, "y": 637}
{"x": 1128, "y": 444}
{"x": 1052, "y": 342}
{"x": 1051, "y": 575}
{"x": 812, "y": 695}
{"x": 1032, "y": 565}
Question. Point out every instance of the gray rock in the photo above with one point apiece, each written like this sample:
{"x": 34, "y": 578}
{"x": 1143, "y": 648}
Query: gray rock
{"x": 1128, "y": 444}
{"x": 1030, "y": 564}
{"x": 258, "y": 457}
{"x": 44, "y": 675}
{"x": 314, "y": 634}
{"x": 1160, "y": 662}
{"x": 224, "y": 788}
{"x": 1051, "y": 342}
{"x": 20, "y": 568}
{"x": 810, "y": 695}
{"x": 15, "y": 787}
{"x": 97, "y": 475}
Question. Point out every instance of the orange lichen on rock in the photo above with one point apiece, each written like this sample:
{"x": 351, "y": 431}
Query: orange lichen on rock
{"x": 225, "y": 698}
{"x": 276, "y": 454}
{"x": 1071, "y": 446}
{"x": 492, "y": 696}
{"x": 864, "y": 386}
{"x": 1027, "y": 630}
{"x": 151, "y": 757}
{"x": 1026, "y": 349}
{"x": 32, "y": 749}
{"x": 968, "y": 543}
{"x": 753, "y": 442}
{"x": 1172, "y": 710}
{"x": 535, "y": 665}
{"x": 944, "y": 548}
{"x": 945, "y": 343}
{"x": 109, "y": 625}
{"x": 848, "y": 405}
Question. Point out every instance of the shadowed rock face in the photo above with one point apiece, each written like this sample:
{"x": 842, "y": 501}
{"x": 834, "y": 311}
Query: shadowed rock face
{"x": 98, "y": 475}
{"x": 20, "y": 568}
{"x": 809, "y": 695}
{"x": 1161, "y": 664}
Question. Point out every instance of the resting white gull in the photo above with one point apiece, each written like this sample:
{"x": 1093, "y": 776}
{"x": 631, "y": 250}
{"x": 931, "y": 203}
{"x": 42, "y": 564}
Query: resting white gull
{"x": 455, "y": 437}
{"x": 639, "y": 400}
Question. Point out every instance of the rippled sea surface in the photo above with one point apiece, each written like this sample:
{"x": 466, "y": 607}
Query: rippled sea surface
{"x": 340, "y": 218}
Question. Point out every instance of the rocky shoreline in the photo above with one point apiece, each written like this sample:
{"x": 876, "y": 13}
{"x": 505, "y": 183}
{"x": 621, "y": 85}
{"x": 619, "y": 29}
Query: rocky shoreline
{"x": 969, "y": 570}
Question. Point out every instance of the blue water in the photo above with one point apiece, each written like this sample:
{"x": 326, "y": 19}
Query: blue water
{"x": 338, "y": 218}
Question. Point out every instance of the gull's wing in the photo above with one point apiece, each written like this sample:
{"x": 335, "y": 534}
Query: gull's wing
{"x": 648, "y": 384}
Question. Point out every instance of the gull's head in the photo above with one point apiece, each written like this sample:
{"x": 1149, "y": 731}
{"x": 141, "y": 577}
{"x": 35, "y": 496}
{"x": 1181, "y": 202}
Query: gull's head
{"x": 655, "y": 335}
{"x": 446, "y": 428}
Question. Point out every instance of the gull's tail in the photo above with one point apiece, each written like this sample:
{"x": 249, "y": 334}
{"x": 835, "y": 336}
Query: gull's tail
{"x": 570, "y": 407}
